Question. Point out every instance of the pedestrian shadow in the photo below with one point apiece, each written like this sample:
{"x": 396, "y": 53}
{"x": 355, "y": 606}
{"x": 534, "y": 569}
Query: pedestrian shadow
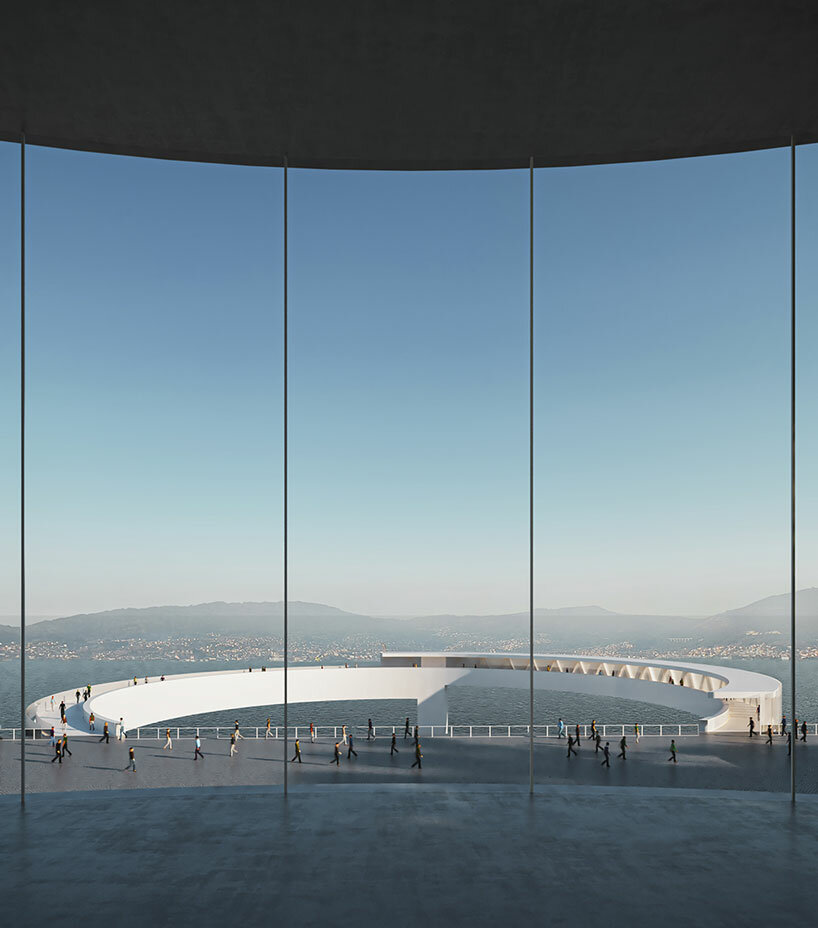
{"x": 95, "y": 767}
{"x": 183, "y": 757}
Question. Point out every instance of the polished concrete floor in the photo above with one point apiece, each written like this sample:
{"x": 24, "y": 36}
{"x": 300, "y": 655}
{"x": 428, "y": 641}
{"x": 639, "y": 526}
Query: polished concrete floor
{"x": 708, "y": 761}
{"x": 419, "y": 854}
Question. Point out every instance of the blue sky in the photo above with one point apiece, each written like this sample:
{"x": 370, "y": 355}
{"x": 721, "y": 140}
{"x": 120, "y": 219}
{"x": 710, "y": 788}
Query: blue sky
{"x": 155, "y": 301}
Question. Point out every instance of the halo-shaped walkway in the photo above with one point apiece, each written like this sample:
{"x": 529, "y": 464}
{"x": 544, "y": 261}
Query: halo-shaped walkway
{"x": 722, "y": 697}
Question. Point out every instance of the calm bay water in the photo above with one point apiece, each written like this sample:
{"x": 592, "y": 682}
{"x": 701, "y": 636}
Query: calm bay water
{"x": 467, "y": 705}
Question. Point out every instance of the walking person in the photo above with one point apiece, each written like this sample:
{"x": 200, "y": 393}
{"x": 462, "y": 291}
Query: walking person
{"x": 576, "y": 737}
{"x": 758, "y": 712}
{"x": 351, "y": 747}
{"x": 417, "y": 735}
{"x": 607, "y": 752}
{"x": 597, "y": 741}
{"x": 233, "y": 746}
{"x": 312, "y": 733}
{"x": 637, "y": 731}
{"x": 65, "y": 749}
{"x": 752, "y": 726}
{"x": 336, "y": 757}
{"x": 78, "y": 697}
{"x": 198, "y": 752}
{"x": 267, "y": 731}
{"x": 804, "y": 732}
{"x": 561, "y": 728}
{"x": 118, "y": 730}
{"x": 370, "y": 734}
{"x": 105, "y": 733}
{"x": 570, "y": 746}
{"x": 592, "y": 736}
{"x": 623, "y": 747}
{"x": 236, "y": 731}
{"x": 344, "y": 733}
{"x": 168, "y": 743}
{"x": 91, "y": 719}
{"x": 769, "y": 735}
{"x": 62, "y": 709}
{"x": 131, "y": 760}
{"x": 297, "y": 755}
{"x": 672, "y": 752}
{"x": 53, "y": 739}
{"x": 783, "y": 725}
{"x": 394, "y": 748}
{"x": 122, "y": 730}
{"x": 57, "y": 751}
{"x": 407, "y": 731}
{"x": 418, "y": 757}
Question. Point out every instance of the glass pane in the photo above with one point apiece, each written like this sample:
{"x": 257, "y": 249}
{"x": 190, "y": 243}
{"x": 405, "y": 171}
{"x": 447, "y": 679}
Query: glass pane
{"x": 155, "y": 300}
{"x": 409, "y": 467}
{"x": 663, "y": 424}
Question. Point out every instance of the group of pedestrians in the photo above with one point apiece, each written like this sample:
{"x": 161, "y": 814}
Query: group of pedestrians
{"x": 784, "y": 732}
{"x": 60, "y": 745}
{"x": 348, "y": 739}
{"x": 574, "y": 743}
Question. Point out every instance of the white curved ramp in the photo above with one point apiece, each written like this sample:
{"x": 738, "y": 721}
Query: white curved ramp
{"x": 722, "y": 697}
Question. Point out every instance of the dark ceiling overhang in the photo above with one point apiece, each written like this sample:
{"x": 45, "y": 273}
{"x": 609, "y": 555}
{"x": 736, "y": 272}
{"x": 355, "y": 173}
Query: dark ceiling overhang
{"x": 412, "y": 85}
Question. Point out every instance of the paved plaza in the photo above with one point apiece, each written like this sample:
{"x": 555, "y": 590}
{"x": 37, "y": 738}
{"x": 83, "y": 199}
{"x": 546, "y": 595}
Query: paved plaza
{"x": 704, "y": 762}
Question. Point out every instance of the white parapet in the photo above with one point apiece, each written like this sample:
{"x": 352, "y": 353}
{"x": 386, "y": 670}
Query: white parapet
{"x": 722, "y": 697}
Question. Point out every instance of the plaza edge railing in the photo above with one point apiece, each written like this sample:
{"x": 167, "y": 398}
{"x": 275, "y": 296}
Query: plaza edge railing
{"x": 360, "y": 732}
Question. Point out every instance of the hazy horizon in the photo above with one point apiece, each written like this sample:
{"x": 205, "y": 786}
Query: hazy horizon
{"x": 34, "y": 619}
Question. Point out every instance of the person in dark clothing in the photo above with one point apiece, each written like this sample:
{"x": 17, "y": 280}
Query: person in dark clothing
{"x": 592, "y": 736}
{"x": 672, "y": 752}
{"x": 105, "y": 734}
{"x": 752, "y": 726}
{"x": 65, "y": 746}
{"x": 769, "y": 735}
{"x": 570, "y": 746}
{"x": 597, "y": 741}
{"x": 783, "y": 725}
{"x": 623, "y": 747}
{"x": 351, "y": 747}
{"x": 576, "y": 737}
{"x": 58, "y": 752}
{"x": 407, "y": 731}
{"x": 297, "y": 755}
{"x": 394, "y": 748}
{"x": 131, "y": 760}
{"x": 804, "y": 731}
{"x": 607, "y": 752}
{"x": 417, "y": 730}
{"x": 370, "y": 734}
{"x": 418, "y": 757}
{"x": 336, "y": 758}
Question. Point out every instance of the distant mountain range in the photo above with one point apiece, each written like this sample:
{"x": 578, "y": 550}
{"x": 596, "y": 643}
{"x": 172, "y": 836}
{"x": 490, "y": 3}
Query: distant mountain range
{"x": 574, "y": 626}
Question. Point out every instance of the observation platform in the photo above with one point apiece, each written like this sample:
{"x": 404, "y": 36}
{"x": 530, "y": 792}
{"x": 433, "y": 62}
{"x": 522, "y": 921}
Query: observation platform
{"x": 717, "y": 761}
{"x": 723, "y": 698}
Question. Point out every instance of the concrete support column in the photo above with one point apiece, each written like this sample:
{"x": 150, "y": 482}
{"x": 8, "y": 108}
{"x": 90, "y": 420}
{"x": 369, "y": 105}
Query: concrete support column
{"x": 433, "y": 709}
